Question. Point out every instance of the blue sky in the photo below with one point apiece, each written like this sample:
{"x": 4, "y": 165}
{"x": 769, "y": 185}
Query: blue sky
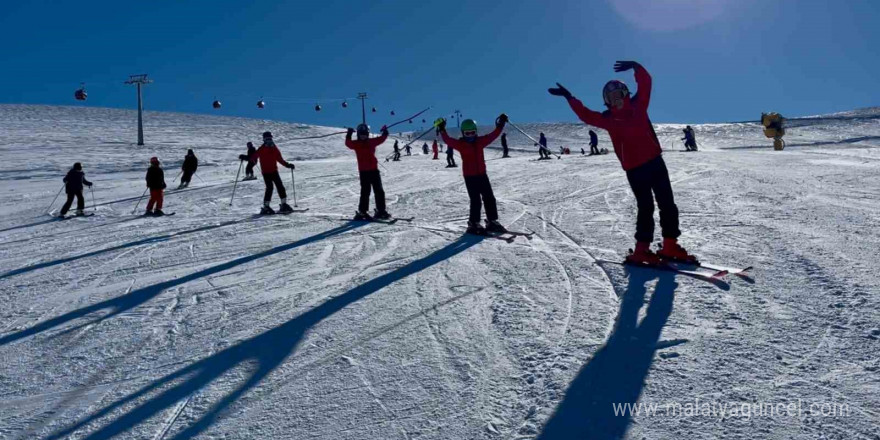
{"x": 712, "y": 61}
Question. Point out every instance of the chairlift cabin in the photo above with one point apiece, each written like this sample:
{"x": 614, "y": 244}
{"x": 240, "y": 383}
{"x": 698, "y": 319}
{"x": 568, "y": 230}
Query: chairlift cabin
{"x": 261, "y": 103}
{"x": 80, "y": 94}
{"x": 392, "y": 112}
{"x": 344, "y": 104}
{"x": 317, "y": 107}
{"x": 374, "y": 109}
{"x": 216, "y": 104}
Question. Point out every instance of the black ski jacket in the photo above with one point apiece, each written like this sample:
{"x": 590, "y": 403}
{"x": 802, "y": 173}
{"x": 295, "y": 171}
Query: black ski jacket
{"x": 155, "y": 178}
{"x": 74, "y": 181}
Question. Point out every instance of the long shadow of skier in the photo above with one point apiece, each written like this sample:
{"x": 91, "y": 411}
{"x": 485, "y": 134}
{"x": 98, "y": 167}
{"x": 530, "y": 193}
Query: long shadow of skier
{"x": 37, "y": 223}
{"x": 267, "y": 350}
{"x": 148, "y": 240}
{"x": 616, "y": 373}
{"x": 136, "y": 298}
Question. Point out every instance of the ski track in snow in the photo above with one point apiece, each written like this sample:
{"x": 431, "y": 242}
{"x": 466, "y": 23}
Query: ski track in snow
{"x": 216, "y": 323}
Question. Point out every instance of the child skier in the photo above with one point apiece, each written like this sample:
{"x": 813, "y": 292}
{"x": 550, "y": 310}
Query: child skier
{"x": 543, "y": 151}
{"x": 450, "y": 158}
{"x": 368, "y": 171}
{"x": 425, "y": 148}
{"x": 690, "y": 140}
{"x": 473, "y": 167}
{"x": 270, "y": 156}
{"x": 73, "y": 185}
{"x": 638, "y": 150}
{"x": 504, "y": 146}
{"x": 156, "y": 183}
{"x": 594, "y": 143}
{"x": 190, "y": 164}
{"x": 251, "y": 159}
{"x": 435, "y": 149}
{"x": 408, "y": 150}
{"x": 396, "y": 152}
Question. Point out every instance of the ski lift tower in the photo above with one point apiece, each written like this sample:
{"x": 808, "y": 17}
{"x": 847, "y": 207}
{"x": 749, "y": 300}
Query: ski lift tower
{"x": 458, "y": 117}
{"x": 139, "y": 80}
{"x": 363, "y": 97}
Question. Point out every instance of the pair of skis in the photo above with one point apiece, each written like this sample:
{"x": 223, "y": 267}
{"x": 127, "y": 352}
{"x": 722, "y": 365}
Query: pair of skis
{"x": 293, "y": 211}
{"x": 696, "y": 269}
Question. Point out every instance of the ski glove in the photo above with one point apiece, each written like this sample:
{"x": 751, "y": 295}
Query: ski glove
{"x": 441, "y": 126}
{"x": 89, "y": 185}
{"x": 291, "y": 166}
{"x": 560, "y": 91}
{"x": 622, "y": 66}
{"x": 384, "y": 130}
{"x": 242, "y": 157}
{"x": 350, "y": 131}
{"x": 501, "y": 120}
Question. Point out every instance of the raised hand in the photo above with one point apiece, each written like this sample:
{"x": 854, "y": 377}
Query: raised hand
{"x": 560, "y": 91}
{"x": 622, "y": 66}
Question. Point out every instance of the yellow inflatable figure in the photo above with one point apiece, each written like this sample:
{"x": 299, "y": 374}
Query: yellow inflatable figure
{"x": 773, "y": 128}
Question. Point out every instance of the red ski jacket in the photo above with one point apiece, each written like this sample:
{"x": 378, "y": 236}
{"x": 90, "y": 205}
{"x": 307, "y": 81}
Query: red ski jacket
{"x": 472, "y": 161}
{"x": 434, "y": 147}
{"x": 632, "y": 134}
{"x": 269, "y": 156}
{"x": 366, "y": 151}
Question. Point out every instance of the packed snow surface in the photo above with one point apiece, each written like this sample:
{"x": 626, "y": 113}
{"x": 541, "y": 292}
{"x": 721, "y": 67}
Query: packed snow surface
{"x": 217, "y": 324}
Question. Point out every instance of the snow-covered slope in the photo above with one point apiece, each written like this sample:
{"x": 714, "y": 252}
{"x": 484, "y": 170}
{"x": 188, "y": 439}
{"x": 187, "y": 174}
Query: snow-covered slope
{"x": 217, "y": 324}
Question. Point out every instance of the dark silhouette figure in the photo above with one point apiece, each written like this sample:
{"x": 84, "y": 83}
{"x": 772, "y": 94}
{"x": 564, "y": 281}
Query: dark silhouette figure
{"x": 616, "y": 373}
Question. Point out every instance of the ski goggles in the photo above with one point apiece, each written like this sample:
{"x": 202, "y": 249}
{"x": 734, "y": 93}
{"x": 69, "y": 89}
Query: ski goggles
{"x": 469, "y": 133}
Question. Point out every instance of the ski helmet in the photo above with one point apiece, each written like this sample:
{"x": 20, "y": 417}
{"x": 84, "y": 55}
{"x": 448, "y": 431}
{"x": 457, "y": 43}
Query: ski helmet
{"x": 267, "y": 135}
{"x": 468, "y": 125}
{"x": 613, "y": 86}
{"x": 77, "y": 166}
{"x": 154, "y": 160}
{"x": 363, "y": 130}
{"x": 250, "y": 144}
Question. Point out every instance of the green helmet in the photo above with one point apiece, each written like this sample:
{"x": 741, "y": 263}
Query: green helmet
{"x": 468, "y": 125}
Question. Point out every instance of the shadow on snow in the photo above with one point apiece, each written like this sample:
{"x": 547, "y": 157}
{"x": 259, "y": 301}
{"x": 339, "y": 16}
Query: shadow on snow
{"x": 267, "y": 350}
{"x": 616, "y": 373}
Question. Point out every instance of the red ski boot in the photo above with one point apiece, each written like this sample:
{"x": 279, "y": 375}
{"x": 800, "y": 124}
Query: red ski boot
{"x": 642, "y": 255}
{"x": 670, "y": 250}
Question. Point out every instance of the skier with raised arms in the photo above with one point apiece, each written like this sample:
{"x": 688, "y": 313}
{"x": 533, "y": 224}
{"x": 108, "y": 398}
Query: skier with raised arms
{"x": 473, "y": 166}
{"x": 638, "y": 149}
{"x": 368, "y": 170}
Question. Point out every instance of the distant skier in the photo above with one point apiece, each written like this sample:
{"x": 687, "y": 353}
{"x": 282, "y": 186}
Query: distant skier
{"x": 156, "y": 183}
{"x": 396, "y": 152}
{"x": 270, "y": 156}
{"x": 435, "y": 149}
{"x": 189, "y": 167}
{"x": 594, "y": 143}
{"x": 690, "y": 140}
{"x": 425, "y": 148}
{"x": 368, "y": 170}
{"x": 473, "y": 167}
{"x": 504, "y": 148}
{"x": 251, "y": 158}
{"x": 408, "y": 149}
{"x": 73, "y": 186}
{"x": 639, "y": 152}
{"x": 542, "y": 150}
{"x": 450, "y": 158}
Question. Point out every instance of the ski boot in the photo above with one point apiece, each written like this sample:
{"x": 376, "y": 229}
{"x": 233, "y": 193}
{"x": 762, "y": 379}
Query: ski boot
{"x": 80, "y": 213}
{"x": 362, "y": 216}
{"x": 148, "y": 213}
{"x": 284, "y": 208}
{"x": 670, "y": 250}
{"x": 266, "y": 209}
{"x": 382, "y": 215}
{"x": 642, "y": 255}
{"x": 475, "y": 228}
{"x": 495, "y": 226}
{"x": 158, "y": 213}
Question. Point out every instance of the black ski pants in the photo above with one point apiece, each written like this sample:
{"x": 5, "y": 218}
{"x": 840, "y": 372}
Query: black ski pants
{"x": 371, "y": 180}
{"x": 249, "y": 169}
{"x": 478, "y": 187}
{"x": 273, "y": 179}
{"x": 594, "y": 149}
{"x": 186, "y": 176}
{"x": 80, "y": 202}
{"x": 650, "y": 181}
{"x": 450, "y": 160}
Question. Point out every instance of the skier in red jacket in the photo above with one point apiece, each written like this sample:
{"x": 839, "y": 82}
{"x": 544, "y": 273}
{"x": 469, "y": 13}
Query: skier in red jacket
{"x": 270, "y": 156}
{"x": 473, "y": 166}
{"x": 435, "y": 149}
{"x": 368, "y": 170}
{"x": 638, "y": 149}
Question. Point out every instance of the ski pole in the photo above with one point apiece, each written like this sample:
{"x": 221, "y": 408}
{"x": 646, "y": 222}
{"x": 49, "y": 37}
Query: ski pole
{"x": 293, "y": 184}
{"x": 533, "y": 139}
{"x": 94, "y": 207}
{"x": 178, "y": 175}
{"x": 407, "y": 119}
{"x": 236, "y": 182}
{"x": 202, "y": 180}
{"x": 133, "y": 211}
{"x": 56, "y": 198}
